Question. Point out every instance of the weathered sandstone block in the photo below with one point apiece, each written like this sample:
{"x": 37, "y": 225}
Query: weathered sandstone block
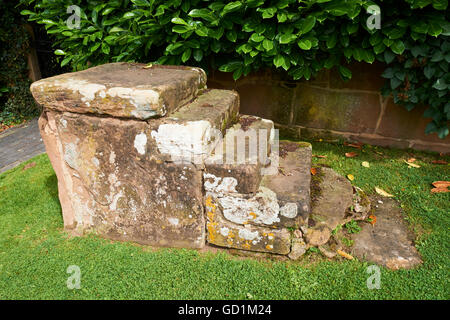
{"x": 125, "y": 90}
{"x": 192, "y": 132}
{"x": 150, "y": 155}
{"x": 241, "y": 156}
{"x": 109, "y": 183}
{"x": 224, "y": 233}
{"x": 292, "y": 182}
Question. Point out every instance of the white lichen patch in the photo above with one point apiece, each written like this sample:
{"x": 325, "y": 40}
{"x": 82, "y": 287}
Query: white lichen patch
{"x": 140, "y": 143}
{"x": 249, "y": 235}
{"x": 71, "y": 155}
{"x": 112, "y": 157}
{"x": 173, "y": 221}
{"x": 145, "y": 101}
{"x": 63, "y": 122}
{"x": 190, "y": 141}
{"x": 86, "y": 89}
{"x": 95, "y": 161}
{"x": 116, "y": 197}
{"x": 289, "y": 210}
{"x": 218, "y": 184}
{"x": 263, "y": 208}
{"x": 224, "y": 231}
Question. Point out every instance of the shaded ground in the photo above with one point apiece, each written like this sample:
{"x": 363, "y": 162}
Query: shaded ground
{"x": 20, "y": 143}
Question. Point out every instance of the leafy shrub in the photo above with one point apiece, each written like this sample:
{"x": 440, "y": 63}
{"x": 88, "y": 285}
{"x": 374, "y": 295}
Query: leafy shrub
{"x": 300, "y": 36}
{"x": 16, "y": 101}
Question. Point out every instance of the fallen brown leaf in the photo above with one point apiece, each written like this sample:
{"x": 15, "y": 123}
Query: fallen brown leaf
{"x": 440, "y": 190}
{"x": 318, "y": 156}
{"x": 29, "y": 165}
{"x": 441, "y": 184}
{"x": 313, "y": 171}
{"x": 351, "y": 154}
{"x": 411, "y": 160}
{"x": 372, "y": 219}
{"x": 354, "y": 145}
{"x": 439, "y": 162}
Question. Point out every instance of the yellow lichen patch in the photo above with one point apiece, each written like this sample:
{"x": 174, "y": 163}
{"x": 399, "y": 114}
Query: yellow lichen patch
{"x": 211, "y": 208}
{"x": 210, "y": 204}
{"x": 269, "y": 247}
{"x": 253, "y": 215}
{"x": 246, "y": 245}
{"x": 212, "y": 230}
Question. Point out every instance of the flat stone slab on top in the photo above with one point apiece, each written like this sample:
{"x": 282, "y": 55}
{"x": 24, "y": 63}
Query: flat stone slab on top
{"x": 124, "y": 90}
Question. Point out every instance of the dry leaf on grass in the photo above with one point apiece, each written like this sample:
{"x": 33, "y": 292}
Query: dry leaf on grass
{"x": 354, "y": 145}
{"x": 440, "y": 190}
{"x": 318, "y": 156}
{"x": 440, "y": 187}
{"x": 372, "y": 219}
{"x": 351, "y": 177}
{"x": 439, "y": 162}
{"x": 411, "y": 160}
{"x": 411, "y": 165}
{"x": 441, "y": 184}
{"x": 313, "y": 171}
{"x": 365, "y": 164}
{"x": 29, "y": 165}
{"x": 351, "y": 154}
{"x": 345, "y": 254}
{"x": 383, "y": 193}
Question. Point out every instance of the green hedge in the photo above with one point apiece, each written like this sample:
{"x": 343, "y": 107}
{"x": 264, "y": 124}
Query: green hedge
{"x": 301, "y": 37}
{"x": 16, "y": 101}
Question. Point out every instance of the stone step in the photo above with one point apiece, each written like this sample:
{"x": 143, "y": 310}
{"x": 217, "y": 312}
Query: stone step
{"x": 224, "y": 233}
{"x": 330, "y": 206}
{"x": 191, "y": 133}
{"x": 124, "y": 90}
{"x": 240, "y": 157}
{"x": 282, "y": 200}
{"x": 292, "y": 182}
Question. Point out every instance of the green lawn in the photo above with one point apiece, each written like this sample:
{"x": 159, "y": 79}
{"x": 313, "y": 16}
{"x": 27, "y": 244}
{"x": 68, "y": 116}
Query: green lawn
{"x": 35, "y": 252}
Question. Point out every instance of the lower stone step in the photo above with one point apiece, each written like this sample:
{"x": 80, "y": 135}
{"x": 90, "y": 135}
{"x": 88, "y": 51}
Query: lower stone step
{"x": 292, "y": 182}
{"x": 224, "y": 233}
{"x": 336, "y": 196}
{"x": 281, "y": 201}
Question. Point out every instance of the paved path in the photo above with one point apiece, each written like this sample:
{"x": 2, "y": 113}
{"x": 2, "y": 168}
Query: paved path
{"x": 19, "y": 144}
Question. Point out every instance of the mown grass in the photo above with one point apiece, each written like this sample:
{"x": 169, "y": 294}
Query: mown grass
{"x": 35, "y": 252}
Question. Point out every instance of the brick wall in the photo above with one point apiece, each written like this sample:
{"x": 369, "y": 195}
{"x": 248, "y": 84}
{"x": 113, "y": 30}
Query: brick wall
{"x": 329, "y": 107}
